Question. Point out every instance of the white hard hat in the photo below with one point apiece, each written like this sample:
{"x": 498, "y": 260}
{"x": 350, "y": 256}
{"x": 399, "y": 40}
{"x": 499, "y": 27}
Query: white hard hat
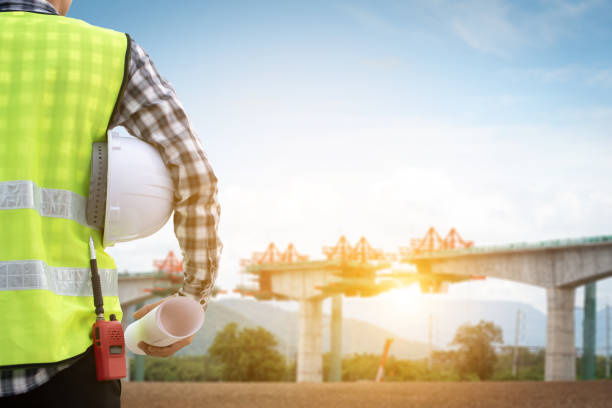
{"x": 131, "y": 193}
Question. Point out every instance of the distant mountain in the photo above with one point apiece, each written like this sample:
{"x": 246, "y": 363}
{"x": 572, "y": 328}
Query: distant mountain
{"x": 412, "y": 322}
{"x": 448, "y": 314}
{"x": 600, "y": 325}
{"x": 358, "y": 336}
{"x": 368, "y": 322}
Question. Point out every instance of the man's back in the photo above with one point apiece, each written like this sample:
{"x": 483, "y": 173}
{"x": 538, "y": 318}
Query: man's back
{"x": 147, "y": 106}
{"x": 61, "y": 79}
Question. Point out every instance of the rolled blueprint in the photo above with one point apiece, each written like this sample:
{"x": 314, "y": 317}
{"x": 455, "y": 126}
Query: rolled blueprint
{"x": 169, "y": 322}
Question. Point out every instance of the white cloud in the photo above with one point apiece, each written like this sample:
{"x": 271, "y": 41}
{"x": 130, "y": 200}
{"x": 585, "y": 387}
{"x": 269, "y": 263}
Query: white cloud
{"x": 498, "y": 27}
{"x": 486, "y": 26}
{"x": 508, "y": 100}
{"x": 383, "y": 63}
{"x": 569, "y": 74}
{"x": 368, "y": 19}
{"x": 601, "y": 77}
{"x": 572, "y": 8}
{"x": 502, "y": 28}
{"x": 563, "y": 74}
{"x": 595, "y": 115}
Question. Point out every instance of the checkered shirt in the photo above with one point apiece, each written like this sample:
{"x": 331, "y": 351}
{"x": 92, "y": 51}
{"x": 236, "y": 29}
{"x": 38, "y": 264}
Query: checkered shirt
{"x": 151, "y": 111}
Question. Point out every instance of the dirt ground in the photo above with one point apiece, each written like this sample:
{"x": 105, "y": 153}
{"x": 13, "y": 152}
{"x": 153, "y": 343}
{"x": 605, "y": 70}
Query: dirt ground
{"x": 593, "y": 394}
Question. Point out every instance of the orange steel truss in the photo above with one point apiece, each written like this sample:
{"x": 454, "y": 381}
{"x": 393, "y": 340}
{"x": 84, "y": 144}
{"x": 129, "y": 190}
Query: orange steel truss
{"x": 341, "y": 252}
{"x": 433, "y": 242}
{"x": 170, "y": 276}
{"x": 262, "y": 286}
{"x": 170, "y": 272}
{"x": 344, "y": 252}
{"x": 453, "y": 241}
{"x": 291, "y": 255}
{"x": 273, "y": 256}
{"x": 171, "y": 267}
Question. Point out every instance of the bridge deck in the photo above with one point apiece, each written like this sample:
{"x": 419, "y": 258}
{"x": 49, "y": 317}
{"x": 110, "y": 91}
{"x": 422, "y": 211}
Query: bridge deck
{"x": 555, "y": 244}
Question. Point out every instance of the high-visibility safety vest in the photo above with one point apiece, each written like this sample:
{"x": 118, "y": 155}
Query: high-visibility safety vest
{"x": 60, "y": 80}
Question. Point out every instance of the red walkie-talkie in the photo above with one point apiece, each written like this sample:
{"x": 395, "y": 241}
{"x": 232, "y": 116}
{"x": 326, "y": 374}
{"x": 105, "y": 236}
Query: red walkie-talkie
{"x": 108, "y": 341}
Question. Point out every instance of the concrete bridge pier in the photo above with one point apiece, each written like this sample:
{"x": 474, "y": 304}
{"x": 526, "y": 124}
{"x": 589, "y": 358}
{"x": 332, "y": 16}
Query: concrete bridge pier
{"x": 309, "y": 361}
{"x": 335, "y": 364}
{"x": 560, "y": 350}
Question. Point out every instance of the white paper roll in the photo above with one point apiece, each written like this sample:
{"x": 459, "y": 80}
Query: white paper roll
{"x": 169, "y": 322}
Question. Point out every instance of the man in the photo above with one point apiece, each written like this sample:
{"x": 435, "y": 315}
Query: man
{"x": 62, "y": 84}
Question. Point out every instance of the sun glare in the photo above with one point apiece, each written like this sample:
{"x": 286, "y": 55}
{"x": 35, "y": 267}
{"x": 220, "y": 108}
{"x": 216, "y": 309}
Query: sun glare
{"x": 405, "y": 297}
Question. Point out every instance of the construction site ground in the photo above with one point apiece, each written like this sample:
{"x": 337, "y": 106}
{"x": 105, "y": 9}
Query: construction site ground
{"x": 592, "y": 394}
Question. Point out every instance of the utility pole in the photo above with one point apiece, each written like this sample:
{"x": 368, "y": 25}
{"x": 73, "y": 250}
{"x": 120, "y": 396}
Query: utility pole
{"x": 430, "y": 347}
{"x": 607, "y": 340}
{"x": 517, "y": 329}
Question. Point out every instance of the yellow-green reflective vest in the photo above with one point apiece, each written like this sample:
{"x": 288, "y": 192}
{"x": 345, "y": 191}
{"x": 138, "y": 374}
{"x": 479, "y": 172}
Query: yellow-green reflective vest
{"x": 60, "y": 79}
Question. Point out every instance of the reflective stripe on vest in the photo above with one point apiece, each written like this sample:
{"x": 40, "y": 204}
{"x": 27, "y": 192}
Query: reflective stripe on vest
{"x": 48, "y": 202}
{"x": 27, "y": 275}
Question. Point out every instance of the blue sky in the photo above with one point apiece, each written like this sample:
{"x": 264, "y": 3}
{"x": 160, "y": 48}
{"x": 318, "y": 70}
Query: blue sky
{"x": 382, "y": 118}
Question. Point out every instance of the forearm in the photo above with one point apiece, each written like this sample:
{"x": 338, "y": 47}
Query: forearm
{"x": 151, "y": 111}
{"x": 196, "y": 221}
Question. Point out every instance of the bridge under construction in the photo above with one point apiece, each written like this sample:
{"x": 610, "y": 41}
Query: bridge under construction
{"x": 559, "y": 266}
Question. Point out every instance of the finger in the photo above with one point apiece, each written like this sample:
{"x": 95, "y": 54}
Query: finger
{"x": 150, "y": 350}
{"x": 154, "y": 351}
{"x": 143, "y": 346}
{"x": 166, "y": 351}
{"x": 170, "y": 349}
{"x": 146, "y": 309}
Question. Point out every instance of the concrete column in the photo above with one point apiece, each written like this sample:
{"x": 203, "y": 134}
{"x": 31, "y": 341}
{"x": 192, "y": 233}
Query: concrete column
{"x": 139, "y": 361}
{"x": 589, "y": 331}
{"x": 335, "y": 366}
{"x": 310, "y": 360}
{"x": 560, "y": 344}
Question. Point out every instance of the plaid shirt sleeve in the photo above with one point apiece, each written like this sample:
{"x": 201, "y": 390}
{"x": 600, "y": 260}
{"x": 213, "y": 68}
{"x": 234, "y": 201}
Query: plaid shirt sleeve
{"x": 151, "y": 111}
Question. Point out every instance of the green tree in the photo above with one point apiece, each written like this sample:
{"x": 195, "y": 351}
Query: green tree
{"x": 530, "y": 364}
{"x": 476, "y": 353}
{"x": 187, "y": 368}
{"x": 360, "y": 367}
{"x": 248, "y": 354}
